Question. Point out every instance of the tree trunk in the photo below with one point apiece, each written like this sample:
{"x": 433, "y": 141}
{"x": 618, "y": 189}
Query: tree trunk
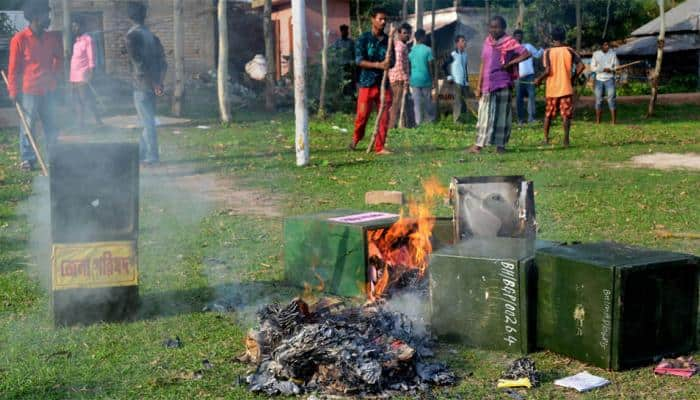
{"x": 269, "y": 56}
{"x": 67, "y": 48}
{"x": 419, "y": 14}
{"x": 404, "y": 11}
{"x": 487, "y": 6}
{"x": 357, "y": 15}
{"x": 179, "y": 31}
{"x": 659, "y": 58}
{"x": 578, "y": 25}
{"x": 324, "y": 59}
{"x": 301, "y": 113}
{"x": 607, "y": 19}
{"x": 222, "y": 72}
{"x": 433, "y": 41}
{"x": 521, "y": 14}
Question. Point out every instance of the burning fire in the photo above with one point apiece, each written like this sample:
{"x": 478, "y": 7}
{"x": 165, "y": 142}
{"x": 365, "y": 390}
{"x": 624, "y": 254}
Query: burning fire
{"x": 401, "y": 252}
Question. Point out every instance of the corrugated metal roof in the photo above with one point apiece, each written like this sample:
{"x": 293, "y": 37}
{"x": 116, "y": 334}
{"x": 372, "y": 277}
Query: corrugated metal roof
{"x": 646, "y": 45}
{"x": 684, "y": 17}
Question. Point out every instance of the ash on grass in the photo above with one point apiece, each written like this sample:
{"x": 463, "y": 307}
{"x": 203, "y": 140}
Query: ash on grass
{"x": 334, "y": 349}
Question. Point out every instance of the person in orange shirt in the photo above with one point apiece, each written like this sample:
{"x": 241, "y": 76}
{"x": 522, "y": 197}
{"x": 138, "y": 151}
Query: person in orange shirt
{"x": 35, "y": 65}
{"x": 559, "y": 62}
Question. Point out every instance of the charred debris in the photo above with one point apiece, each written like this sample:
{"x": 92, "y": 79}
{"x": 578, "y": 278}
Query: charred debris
{"x": 333, "y": 348}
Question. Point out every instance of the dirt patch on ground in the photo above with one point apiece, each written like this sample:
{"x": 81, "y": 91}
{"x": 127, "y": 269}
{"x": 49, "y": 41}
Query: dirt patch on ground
{"x": 223, "y": 192}
{"x": 668, "y": 161}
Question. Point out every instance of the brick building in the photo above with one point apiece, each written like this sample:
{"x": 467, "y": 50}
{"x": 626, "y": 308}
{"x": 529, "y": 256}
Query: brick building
{"x": 109, "y": 21}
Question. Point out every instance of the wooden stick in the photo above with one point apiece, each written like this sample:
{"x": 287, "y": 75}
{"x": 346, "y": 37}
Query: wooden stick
{"x": 382, "y": 91}
{"x": 27, "y": 131}
{"x": 627, "y": 65}
{"x": 402, "y": 114}
{"x": 666, "y": 234}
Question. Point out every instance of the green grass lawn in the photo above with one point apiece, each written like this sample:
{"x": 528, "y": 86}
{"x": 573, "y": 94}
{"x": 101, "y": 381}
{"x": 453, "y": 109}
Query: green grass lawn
{"x": 193, "y": 251}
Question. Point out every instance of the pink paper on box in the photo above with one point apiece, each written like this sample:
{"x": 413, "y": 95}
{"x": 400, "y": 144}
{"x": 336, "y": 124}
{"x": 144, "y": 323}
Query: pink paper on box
{"x": 363, "y": 217}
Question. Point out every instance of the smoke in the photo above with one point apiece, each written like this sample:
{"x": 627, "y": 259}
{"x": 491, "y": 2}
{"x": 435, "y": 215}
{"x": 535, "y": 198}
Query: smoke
{"x": 414, "y": 306}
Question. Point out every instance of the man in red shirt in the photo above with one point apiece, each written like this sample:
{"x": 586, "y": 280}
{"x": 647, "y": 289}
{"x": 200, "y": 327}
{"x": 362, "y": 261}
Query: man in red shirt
{"x": 36, "y": 60}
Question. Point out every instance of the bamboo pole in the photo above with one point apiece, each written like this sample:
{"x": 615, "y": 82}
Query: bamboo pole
{"x": 27, "y": 130}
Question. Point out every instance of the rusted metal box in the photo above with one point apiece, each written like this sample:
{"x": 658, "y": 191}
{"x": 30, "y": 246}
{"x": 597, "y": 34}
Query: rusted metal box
{"x": 482, "y": 294}
{"x": 616, "y": 306}
{"x": 94, "y": 227}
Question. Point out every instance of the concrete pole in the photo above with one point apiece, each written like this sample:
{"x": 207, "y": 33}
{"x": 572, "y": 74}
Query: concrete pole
{"x": 222, "y": 71}
{"x": 301, "y": 112}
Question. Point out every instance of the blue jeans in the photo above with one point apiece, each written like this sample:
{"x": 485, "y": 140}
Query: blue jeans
{"x": 607, "y": 88}
{"x": 525, "y": 86}
{"x": 145, "y": 103}
{"x": 43, "y": 108}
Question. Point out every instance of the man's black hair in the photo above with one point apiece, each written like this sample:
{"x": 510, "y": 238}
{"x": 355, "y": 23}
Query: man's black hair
{"x": 460, "y": 37}
{"x": 378, "y": 10}
{"x": 500, "y": 20}
{"x": 559, "y": 34}
{"x": 518, "y": 32}
{"x": 420, "y": 35}
{"x": 34, "y": 8}
{"x": 136, "y": 11}
{"x": 405, "y": 27}
{"x": 344, "y": 27}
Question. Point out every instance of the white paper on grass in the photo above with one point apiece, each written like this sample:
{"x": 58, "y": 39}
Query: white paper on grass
{"x": 582, "y": 382}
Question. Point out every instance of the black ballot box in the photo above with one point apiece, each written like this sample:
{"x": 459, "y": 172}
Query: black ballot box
{"x": 94, "y": 230}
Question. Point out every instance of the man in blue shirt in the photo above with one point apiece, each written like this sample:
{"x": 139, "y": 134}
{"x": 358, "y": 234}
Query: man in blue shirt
{"x": 456, "y": 71}
{"x": 421, "y": 82}
{"x": 525, "y": 86}
{"x": 372, "y": 59}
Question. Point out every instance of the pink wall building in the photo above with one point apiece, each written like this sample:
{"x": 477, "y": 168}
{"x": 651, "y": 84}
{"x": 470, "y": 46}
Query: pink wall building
{"x": 338, "y": 14}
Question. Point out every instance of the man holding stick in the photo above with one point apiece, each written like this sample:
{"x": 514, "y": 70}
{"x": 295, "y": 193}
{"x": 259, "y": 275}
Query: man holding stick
{"x": 36, "y": 60}
{"x": 373, "y": 60}
{"x": 398, "y": 75}
{"x": 604, "y": 63}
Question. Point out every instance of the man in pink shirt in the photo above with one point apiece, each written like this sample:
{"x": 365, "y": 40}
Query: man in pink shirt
{"x": 398, "y": 75}
{"x": 82, "y": 66}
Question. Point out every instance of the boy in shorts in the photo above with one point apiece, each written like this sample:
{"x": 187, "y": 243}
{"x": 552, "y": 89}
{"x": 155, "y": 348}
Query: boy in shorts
{"x": 559, "y": 61}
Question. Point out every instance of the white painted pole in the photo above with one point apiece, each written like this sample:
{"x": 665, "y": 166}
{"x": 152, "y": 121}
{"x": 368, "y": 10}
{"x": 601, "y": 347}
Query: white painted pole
{"x": 222, "y": 73}
{"x": 301, "y": 112}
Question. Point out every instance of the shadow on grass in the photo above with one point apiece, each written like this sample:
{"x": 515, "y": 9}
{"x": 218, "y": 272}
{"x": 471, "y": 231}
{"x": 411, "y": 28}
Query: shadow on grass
{"x": 230, "y": 297}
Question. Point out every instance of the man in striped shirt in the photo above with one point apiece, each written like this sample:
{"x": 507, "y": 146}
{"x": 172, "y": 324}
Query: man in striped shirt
{"x": 398, "y": 75}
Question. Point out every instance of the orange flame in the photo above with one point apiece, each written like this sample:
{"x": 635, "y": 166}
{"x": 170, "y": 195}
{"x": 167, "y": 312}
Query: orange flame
{"x": 406, "y": 244}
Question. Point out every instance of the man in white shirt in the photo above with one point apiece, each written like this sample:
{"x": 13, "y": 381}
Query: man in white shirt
{"x": 525, "y": 86}
{"x": 457, "y": 73}
{"x": 603, "y": 64}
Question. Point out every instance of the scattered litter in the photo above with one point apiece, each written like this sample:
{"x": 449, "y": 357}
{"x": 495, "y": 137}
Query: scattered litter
{"x": 681, "y": 366}
{"x": 177, "y": 132}
{"x": 520, "y": 373}
{"x": 173, "y": 343}
{"x": 206, "y": 364}
{"x": 203, "y": 127}
{"x": 582, "y": 382}
{"x": 95, "y": 203}
{"x": 334, "y": 349}
{"x": 514, "y": 395}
